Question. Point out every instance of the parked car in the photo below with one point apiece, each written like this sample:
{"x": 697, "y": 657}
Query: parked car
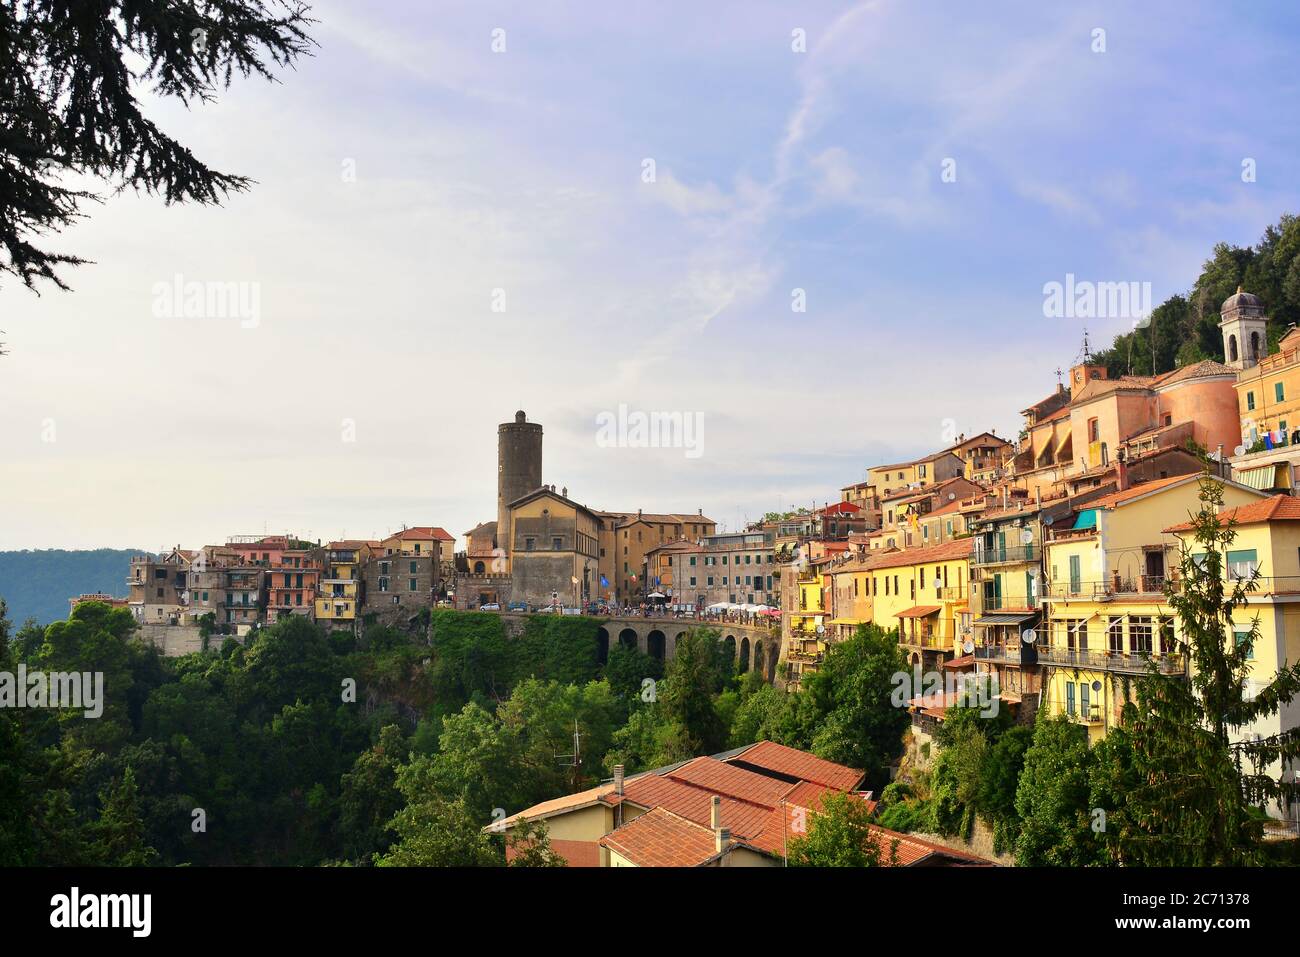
{"x": 517, "y": 606}
{"x": 490, "y": 606}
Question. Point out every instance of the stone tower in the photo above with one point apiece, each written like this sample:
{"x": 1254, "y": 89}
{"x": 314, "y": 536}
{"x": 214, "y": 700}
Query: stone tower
{"x": 1245, "y": 330}
{"x": 519, "y": 469}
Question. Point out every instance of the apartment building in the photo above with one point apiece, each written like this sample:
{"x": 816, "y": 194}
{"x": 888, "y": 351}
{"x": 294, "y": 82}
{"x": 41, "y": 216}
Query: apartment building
{"x": 623, "y": 538}
{"x": 340, "y": 596}
{"x": 158, "y": 586}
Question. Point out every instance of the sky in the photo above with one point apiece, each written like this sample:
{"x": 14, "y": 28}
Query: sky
{"x": 820, "y": 236}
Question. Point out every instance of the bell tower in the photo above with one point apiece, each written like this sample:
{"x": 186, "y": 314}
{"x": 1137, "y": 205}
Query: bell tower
{"x": 1245, "y": 330}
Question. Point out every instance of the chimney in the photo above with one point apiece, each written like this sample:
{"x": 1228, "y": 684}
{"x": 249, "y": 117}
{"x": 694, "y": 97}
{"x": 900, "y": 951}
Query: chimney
{"x": 565, "y": 491}
{"x": 638, "y": 514}
{"x": 722, "y": 839}
{"x": 1121, "y": 475}
{"x": 618, "y": 779}
{"x": 715, "y": 815}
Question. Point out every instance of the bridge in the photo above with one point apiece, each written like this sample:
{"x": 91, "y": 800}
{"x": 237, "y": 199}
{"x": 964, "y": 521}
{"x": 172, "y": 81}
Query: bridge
{"x": 753, "y": 647}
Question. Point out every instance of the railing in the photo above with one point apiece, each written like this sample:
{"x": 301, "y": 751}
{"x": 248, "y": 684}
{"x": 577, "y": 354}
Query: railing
{"x": 1019, "y": 653}
{"x": 1009, "y": 602}
{"x": 1169, "y": 664}
{"x": 1142, "y": 585}
{"x": 1014, "y": 554}
{"x": 953, "y": 593}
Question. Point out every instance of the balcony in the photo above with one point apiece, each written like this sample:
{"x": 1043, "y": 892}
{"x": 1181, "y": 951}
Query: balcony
{"x": 1006, "y": 603}
{"x": 1015, "y": 653}
{"x": 1015, "y": 555}
{"x": 1106, "y": 590}
{"x": 1132, "y": 664}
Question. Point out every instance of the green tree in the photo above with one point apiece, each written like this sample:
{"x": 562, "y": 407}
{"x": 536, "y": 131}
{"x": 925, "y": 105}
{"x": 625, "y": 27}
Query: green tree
{"x": 71, "y": 76}
{"x": 699, "y": 670}
{"x": 529, "y": 845}
{"x": 118, "y": 836}
{"x": 435, "y": 832}
{"x": 839, "y": 834}
{"x": 1053, "y": 798}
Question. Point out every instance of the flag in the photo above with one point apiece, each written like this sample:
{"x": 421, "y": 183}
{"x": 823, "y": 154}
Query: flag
{"x": 604, "y": 582}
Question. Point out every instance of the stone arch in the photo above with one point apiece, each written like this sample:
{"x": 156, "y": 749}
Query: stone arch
{"x": 1232, "y": 348}
{"x": 730, "y": 642}
{"x": 602, "y": 645}
{"x": 627, "y": 638}
{"x": 771, "y": 663}
{"x": 676, "y": 639}
{"x": 744, "y": 654}
{"x": 758, "y": 655}
{"x": 478, "y": 568}
{"x": 656, "y": 644}
{"x": 1254, "y": 345}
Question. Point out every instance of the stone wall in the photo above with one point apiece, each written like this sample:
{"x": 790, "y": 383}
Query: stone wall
{"x": 176, "y": 640}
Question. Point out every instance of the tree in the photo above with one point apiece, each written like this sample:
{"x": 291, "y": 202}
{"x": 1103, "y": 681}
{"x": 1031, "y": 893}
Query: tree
{"x": 118, "y": 836}
{"x": 845, "y": 710}
{"x": 435, "y": 832}
{"x": 1053, "y": 798}
{"x": 370, "y": 799}
{"x": 839, "y": 835}
{"x": 69, "y": 78}
{"x": 529, "y": 845}
{"x": 699, "y": 669}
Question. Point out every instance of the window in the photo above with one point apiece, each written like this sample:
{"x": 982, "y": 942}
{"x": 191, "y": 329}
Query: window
{"x": 1242, "y": 564}
{"x": 692, "y": 562}
{"x": 1139, "y": 635}
{"x": 383, "y": 584}
{"x": 557, "y": 543}
{"x": 1250, "y": 398}
{"x": 692, "y": 580}
{"x": 1069, "y": 698}
{"x": 1242, "y": 636}
{"x": 1115, "y": 634}
{"x": 413, "y": 566}
{"x": 1279, "y": 392}
{"x": 411, "y": 585}
{"x": 1166, "y": 636}
{"x": 383, "y": 568}
{"x": 1085, "y": 702}
{"x": 1093, "y": 430}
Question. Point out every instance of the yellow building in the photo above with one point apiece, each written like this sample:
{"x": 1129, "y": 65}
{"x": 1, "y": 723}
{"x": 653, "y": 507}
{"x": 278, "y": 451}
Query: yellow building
{"x": 339, "y": 596}
{"x": 923, "y": 592}
{"x": 1105, "y": 595}
{"x": 1266, "y": 544}
{"x": 553, "y": 555}
{"x": 807, "y": 618}
{"x": 887, "y": 479}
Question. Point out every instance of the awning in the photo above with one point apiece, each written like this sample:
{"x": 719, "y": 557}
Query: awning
{"x": 920, "y": 611}
{"x": 1007, "y": 619}
{"x": 965, "y": 661}
{"x": 846, "y": 621}
{"x": 1086, "y": 519}
{"x": 1262, "y": 477}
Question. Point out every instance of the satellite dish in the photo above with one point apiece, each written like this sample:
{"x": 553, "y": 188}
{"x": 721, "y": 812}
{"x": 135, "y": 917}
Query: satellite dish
{"x": 1029, "y": 636}
{"x": 1027, "y": 536}
{"x": 1239, "y": 450}
{"x": 1096, "y": 686}
{"x": 951, "y": 496}
{"x": 968, "y": 647}
{"x": 821, "y": 629}
{"x": 1047, "y": 520}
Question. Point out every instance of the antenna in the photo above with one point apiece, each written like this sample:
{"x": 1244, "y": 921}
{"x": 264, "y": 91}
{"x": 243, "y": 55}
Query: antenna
{"x": 574, "y": 760}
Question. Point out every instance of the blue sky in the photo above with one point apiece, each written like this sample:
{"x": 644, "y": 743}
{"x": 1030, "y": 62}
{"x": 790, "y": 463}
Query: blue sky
{"x": 522, "y": 171}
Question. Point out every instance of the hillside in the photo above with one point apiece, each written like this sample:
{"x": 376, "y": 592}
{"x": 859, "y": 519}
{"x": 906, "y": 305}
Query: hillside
{"x": 38, "y": 584}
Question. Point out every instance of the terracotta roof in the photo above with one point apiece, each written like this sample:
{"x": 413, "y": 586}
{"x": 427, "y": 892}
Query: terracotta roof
{"x": 345, "y": 544}
{"x": 718, "y": 777}
{"x": 920, "y": 611}
{"x": 1206, "y": 367}
{"x": 1096, "y": 388}
{"x": 1279, "y": 508}
{"x": 423, "y": 532}
{"x": 913, "y": 850}
{"x": 948, "y": 551}
{"x": 799, "y": 764}
{"x": 1137, "y": 491}
{"x": 660, "y": 838}
{"x": 567, "y": 802}
{"x": 694, "y": 803}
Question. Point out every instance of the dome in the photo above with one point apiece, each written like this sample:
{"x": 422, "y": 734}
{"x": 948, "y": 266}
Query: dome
{"x": 1243, "y": 302}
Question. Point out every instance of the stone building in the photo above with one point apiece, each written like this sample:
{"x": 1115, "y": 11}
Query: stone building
{"x": 553, "y": 552}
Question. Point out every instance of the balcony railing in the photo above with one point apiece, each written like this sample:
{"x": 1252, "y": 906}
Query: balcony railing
{"x": 1169, "y": 664}
{"x": 1014, "y": 554}
{"x": 1016, "y": 653}
{"x": 1007, "y": 602}
{"x": 1139, "y": 585}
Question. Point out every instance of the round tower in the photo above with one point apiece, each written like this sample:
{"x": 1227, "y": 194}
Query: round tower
{"x": 519, "y": 468}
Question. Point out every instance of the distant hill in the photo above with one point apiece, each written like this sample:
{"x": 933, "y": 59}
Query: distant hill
{"x": 38, "y": 584}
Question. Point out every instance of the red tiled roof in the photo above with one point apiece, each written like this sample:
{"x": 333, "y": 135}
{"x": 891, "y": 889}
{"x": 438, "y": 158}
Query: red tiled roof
{"x": 742, "y": 818}
{"x": 425, "y": 531}
{"x": 1278, "y": 508}
{"x": 957, "y": 548}
{"x": 913, "y": 850}
{"x": 660, "y": 838}
{"x": 718, "y": 777}
{"x": 1136, "y": 491}
{"x": 799, "y": 764}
